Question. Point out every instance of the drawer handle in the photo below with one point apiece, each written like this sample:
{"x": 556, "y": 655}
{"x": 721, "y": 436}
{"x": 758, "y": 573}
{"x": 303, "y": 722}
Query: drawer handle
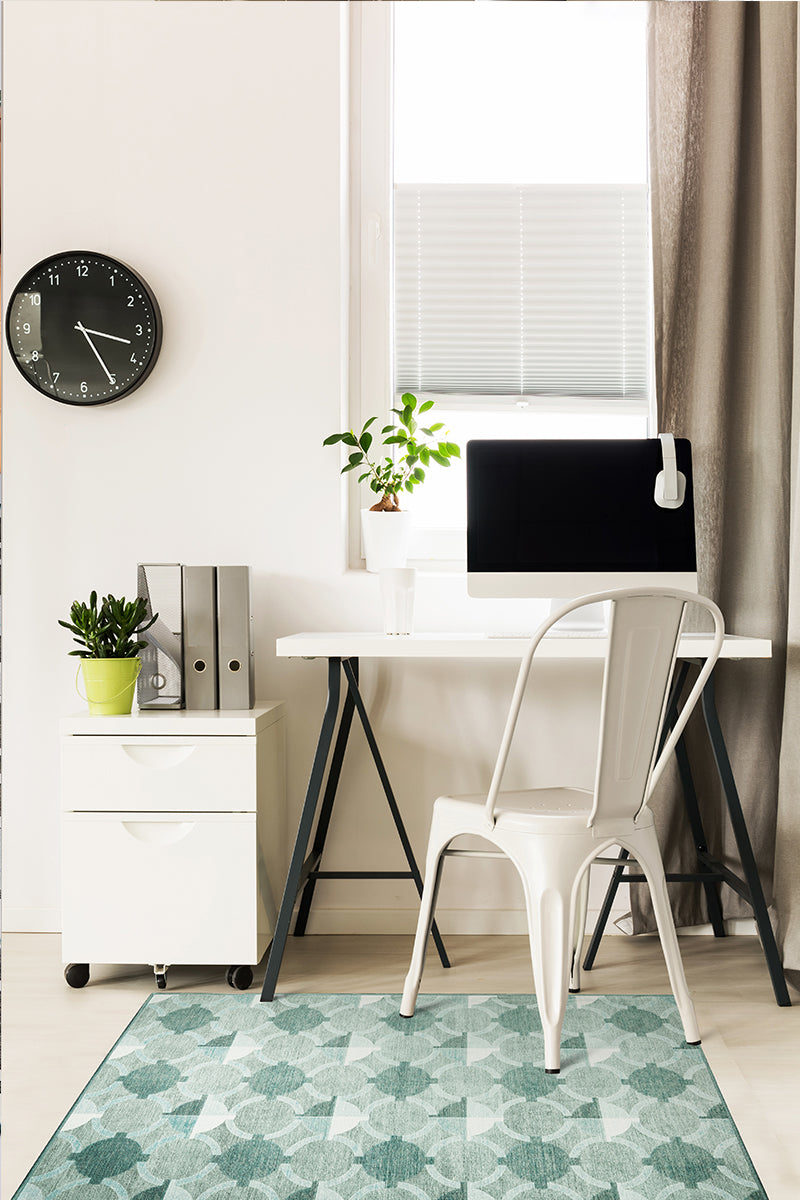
{"x": 157, "y": 756}
{"x": 158, "y": 833}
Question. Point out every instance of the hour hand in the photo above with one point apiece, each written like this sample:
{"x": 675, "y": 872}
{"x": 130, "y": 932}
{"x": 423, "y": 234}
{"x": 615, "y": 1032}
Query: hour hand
{"x": 82, "y": 329}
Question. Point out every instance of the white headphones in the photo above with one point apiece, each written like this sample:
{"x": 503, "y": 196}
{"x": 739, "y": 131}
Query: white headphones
{"x": 670, "y": 487}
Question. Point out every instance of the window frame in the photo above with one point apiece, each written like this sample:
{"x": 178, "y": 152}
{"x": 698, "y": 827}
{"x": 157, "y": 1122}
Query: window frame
{"x": 371, "y": 309}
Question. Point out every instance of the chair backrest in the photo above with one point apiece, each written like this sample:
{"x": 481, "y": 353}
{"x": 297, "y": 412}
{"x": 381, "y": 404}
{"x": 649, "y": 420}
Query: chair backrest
{"x": 644, "y": 630}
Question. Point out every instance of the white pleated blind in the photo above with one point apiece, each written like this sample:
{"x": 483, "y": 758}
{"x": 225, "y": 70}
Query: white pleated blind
{"x": 522, "y": 290}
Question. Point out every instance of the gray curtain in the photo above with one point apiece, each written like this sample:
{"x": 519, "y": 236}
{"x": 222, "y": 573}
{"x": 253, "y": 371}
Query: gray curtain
{"x": 723, "y": 151}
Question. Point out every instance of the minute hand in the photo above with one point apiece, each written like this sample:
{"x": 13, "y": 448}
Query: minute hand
{"x": 85, "y": 333}
{"x": 99, "y": 333}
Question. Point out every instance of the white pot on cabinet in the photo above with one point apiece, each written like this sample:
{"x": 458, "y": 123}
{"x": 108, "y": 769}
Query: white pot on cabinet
{"x": 386, "y": 538}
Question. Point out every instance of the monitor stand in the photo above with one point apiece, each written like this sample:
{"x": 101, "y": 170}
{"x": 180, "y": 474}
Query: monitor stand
{"x": 592, "y": 617}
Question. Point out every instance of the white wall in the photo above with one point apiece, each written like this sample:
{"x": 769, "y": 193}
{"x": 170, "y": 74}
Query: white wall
{"x": 205, "y": 144}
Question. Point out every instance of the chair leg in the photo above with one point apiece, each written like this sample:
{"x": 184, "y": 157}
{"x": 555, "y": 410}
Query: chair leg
{"x": 578, "y": 931}
{"x": 427, "y": 908}
{"x": 643, "y": 844}
{"x": 550, "y": 867}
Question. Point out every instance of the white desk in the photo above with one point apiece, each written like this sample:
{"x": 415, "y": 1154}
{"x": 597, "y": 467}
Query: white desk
{"x": 343, "y": 651}
{"x": 482, "y": 645}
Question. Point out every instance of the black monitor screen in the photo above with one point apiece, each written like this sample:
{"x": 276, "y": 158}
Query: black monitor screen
{"x": 567, "y": 505}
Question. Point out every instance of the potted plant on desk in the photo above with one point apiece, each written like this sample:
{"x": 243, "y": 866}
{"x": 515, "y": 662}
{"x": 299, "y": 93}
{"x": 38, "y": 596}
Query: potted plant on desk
{"x": 385, "y": 526}
{"x": 110, "y": 649}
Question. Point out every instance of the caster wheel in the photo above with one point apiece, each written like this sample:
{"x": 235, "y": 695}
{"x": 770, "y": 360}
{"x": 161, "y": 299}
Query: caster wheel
{"x": 77, "y": 974}
{"x": 240, "y": 978}
{"x": 161, "y": 979}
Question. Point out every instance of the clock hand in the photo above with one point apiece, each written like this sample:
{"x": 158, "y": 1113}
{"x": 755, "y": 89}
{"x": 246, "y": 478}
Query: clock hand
{"x": 97, "y": 333}
{"x": 82, "y": 330}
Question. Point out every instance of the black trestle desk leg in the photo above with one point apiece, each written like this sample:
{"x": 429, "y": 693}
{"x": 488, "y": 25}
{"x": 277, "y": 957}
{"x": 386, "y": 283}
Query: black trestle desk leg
{"x": 746, "y": 856}
{"x": 304, "y": 831}
{"x": 326, "y": 810}
{"x": 711, "y": 886}
{"x": 352, "y": 681}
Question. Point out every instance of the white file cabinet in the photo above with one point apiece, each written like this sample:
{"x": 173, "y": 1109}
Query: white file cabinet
{"x": 173, "y": 839}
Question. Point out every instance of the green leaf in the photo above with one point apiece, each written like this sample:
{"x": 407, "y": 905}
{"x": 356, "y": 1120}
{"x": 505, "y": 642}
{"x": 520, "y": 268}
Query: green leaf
{"x": 368, "y": 423}
{"x": 333, "y": 439}
{"x": 349, "y": 439}
{"x": 409, "y": 485}
{"x": 361, "y": 478}
{"x": 426, "y": 406}
{"x": 365, "y": 441}
{"x": 419, "y": 475}
{"x": 453, "y": 449}
{"x": 424, "y": 455}
{"x": 387, "y": 429}
{"x": 349, "y": 467}
{"x": 409, "y": 400}
{"x": 437, "y": 426}
{"x": 399, "y": 439}
{"x": 440, "y": 458}
{"x": 356, "y": 458}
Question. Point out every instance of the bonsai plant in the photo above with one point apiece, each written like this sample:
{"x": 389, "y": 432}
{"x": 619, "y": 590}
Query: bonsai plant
{"x": 109, "y": 649}
{"x": 407, "y": 468}
{"x": 418, "y": 447}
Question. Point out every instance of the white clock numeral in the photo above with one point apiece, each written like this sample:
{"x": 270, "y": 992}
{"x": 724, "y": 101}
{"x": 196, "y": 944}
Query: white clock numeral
{"x": 35, "y": 355}
{"x": 54, "y": 280}
{"x": 84, "y": 388}
{"x": 112, "y": 280}
{"x": 112, "y": 379}
{"x": 55, "y": 376}
{"x": 82, "y": 270}
{"x": 26, "y": 327}
{"x": 130, "y": 301}
{"x": 36, "y": 299}
{"x": 133, "y": 358}
{"x": 139, "y": 331}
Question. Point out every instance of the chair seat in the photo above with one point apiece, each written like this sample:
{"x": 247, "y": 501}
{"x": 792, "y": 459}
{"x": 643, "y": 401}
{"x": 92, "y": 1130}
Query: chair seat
{"x": 532, "y": 810}
{"x": 562, "y": 810}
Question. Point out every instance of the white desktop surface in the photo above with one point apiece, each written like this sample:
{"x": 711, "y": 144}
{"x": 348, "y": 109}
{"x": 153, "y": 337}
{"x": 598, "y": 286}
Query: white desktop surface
{"x": 482, "y": 645}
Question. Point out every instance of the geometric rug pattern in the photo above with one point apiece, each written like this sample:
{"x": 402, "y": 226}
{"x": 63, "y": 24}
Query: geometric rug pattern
{"x": 337, "y": 1097}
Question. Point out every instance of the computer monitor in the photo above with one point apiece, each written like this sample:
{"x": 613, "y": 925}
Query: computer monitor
{"x": 564, "y": 518}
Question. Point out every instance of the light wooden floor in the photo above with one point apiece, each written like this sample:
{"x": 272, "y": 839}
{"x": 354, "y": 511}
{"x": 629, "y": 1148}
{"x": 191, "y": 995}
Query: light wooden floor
{"x": 55, "y": 1036}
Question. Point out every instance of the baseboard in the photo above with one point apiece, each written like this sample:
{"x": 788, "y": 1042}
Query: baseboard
{"x": 31, "y": 920}
{"x": 387, "y": 921}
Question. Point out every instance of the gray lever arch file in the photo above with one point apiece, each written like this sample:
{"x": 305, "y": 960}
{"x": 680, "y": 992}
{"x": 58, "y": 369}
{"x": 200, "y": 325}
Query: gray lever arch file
{"x": 160, "y": 682}
{"x": 200, "y": 637}
{"x": 236, "y": 667}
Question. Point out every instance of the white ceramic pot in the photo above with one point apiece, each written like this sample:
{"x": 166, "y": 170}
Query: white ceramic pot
{"x": 386, "y": 538}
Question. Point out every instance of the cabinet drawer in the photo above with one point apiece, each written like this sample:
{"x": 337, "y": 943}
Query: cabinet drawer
{"x": 158, "y": 774}
{"x": 161, "y": 888}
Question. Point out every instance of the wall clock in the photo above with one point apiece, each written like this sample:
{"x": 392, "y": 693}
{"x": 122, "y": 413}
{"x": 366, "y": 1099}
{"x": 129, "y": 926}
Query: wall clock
{"x": 83, "y": 328}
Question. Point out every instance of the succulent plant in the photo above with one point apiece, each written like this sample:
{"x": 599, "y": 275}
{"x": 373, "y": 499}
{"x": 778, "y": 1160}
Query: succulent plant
{"x": 108, "y": 631}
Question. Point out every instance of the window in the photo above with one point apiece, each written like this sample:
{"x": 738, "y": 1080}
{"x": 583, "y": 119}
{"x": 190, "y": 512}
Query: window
{"x": 504, "y": 228}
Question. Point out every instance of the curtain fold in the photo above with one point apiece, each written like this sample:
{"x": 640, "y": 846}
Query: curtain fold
{"x": 723, "y": 162}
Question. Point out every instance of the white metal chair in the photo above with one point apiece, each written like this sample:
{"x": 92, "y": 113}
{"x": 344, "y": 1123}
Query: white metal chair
{"x": 552, "y": 835}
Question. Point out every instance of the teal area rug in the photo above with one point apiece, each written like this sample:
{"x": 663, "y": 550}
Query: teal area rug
{"x": 323, "y": 1097}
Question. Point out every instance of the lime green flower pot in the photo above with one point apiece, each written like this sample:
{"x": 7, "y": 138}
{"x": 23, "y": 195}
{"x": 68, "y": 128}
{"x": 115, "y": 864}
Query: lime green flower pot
{"x": 109, "y": 684}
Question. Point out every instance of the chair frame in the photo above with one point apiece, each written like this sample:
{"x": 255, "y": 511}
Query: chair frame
{"x": 554, "y": 862}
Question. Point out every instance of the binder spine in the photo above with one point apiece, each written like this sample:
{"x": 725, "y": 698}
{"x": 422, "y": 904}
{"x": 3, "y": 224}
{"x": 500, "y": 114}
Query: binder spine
{"x": 235, "y": 660}
{"x": 200, "y": 637}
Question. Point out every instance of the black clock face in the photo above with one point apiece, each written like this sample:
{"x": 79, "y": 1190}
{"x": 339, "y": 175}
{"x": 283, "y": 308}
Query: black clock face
{"x": 83, "y": 328}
